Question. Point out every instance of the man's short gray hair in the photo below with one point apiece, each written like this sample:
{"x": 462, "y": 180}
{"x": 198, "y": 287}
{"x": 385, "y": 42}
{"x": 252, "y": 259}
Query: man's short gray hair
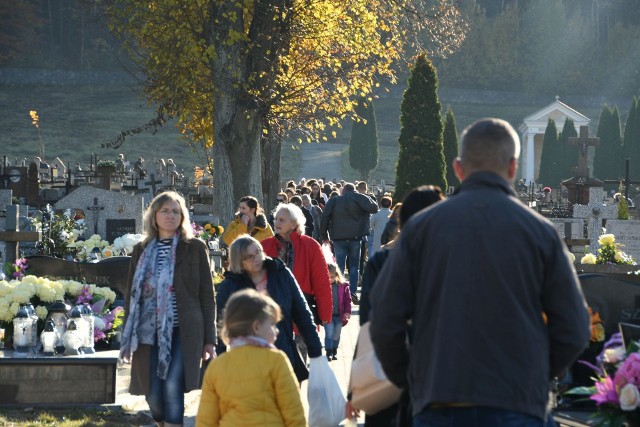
{"x": 489, "y": 145}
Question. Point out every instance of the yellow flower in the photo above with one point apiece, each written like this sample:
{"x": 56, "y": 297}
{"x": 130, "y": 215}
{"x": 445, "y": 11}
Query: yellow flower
{"x": 618, "y": 256}
{"x": 41, "y": 312}
{"x": 606, "y": 239}
{"x": 207, "y": 227}
{"x": 588, "y": 259}
{"x": 572, "y": 257}
{"x": 220, "y": 229}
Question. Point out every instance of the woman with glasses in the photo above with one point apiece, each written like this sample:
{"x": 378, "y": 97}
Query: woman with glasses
{"x": 250, "y": 268}
{"x": 249, "y": 219}
{"x": 170, "y": 306}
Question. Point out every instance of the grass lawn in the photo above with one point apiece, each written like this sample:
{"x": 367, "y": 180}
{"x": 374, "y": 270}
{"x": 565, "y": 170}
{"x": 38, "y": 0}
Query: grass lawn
{"x": 93, "y": 417}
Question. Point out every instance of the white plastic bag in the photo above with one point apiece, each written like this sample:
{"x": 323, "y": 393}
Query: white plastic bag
{"x": 326, "y": 399}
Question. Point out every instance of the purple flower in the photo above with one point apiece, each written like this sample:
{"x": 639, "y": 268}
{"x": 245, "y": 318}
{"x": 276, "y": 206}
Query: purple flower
{"x": 606, "y": 392}
{"x": 629, "y": 371}
{"x": 85, "y": 296}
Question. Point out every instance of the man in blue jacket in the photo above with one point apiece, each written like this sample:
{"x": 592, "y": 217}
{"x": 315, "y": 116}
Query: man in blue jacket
{"x": 474, "y": 275}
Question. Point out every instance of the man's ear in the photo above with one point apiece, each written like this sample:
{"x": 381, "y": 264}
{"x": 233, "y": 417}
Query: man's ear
{"x": 513, "y": 169}
{"x": 457, "y": 168}
{"x": 255, "y": 326}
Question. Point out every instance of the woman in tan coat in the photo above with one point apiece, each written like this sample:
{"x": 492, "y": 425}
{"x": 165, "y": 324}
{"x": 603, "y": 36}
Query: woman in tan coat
{"x": 170, "y": 286}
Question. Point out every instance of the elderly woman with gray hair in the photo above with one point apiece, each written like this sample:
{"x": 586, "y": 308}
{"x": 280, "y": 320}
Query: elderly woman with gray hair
{"x": 303, "y": 256}
{"x": 250, "y": 268}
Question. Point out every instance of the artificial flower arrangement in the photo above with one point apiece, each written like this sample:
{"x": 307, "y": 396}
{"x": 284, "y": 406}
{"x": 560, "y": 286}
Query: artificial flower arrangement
{"x": 121, "y": 246}
{"x": 616, "y": 390}
{"x": 17, "y": 270}
{"x": 41, "y": 292}
{"x": 207, "y": 231}
{"x": 608, "y": 253}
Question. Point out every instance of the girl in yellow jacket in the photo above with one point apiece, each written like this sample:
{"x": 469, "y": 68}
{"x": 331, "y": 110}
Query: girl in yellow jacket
{"x": 249, "y": 219}
{"x": 253, "y": 384}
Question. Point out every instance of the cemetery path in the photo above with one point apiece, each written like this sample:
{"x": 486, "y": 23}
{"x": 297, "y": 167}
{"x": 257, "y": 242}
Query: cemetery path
{"x": 321, "y": 160}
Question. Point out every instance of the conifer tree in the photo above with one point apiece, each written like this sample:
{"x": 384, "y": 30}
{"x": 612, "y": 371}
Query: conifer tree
{"x": 549, "y": 157}
{"x": 363, "y": 147}
{"x": 450, "y": 141}
{"x": 421, "y": 157}
{"x": 631, "y": 141}
{"x": 608, "y": 159}
{"x": 568, "y": 156}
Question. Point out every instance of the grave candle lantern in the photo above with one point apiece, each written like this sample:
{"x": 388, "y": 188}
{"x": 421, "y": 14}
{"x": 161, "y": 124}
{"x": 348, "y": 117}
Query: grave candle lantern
{"x": 58, "y": 315}
{"x": 23, "y": 325}
{"x": 87, "y": 316}
{"x": 72, "y": 338}
{"x": 49, "y": 337}
{"x": 80, "y": 327}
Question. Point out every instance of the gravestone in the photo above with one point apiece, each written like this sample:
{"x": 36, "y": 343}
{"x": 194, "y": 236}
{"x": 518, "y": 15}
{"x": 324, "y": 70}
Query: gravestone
{"x": 627, "y": 233}
{"x": 569, "y": 228}
{"x": 15, "y": 178}
{"x": 115, "y": 206}
{"x": 13, "y": 235}
{"x": 595, "y": 212}
{"x": 119, "y": 227}
{"x": 58, "y": 169}
{"x": 110, "y": 272}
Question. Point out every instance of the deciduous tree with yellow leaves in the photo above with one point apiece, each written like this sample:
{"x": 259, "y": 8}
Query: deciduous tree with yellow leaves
{"x": 241, "y": 75}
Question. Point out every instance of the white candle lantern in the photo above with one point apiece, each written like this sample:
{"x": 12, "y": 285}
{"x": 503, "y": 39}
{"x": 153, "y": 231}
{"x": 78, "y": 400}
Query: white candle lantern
{"x": 49, "y": 337}
{"x": 72, "y": 339}
{"x": 87, "y": 316}
{"x": 23, "y": 331}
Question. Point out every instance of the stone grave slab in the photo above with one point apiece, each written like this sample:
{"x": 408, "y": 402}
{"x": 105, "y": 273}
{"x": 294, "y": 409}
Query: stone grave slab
{"x": 574, "y": 227}
{"x": 103, "y": 205}
{"x": 110, "y": 272}
{"x": 119, "y": 227}
{"x": 627, "y": 233}
{"x": 58, "y": 380}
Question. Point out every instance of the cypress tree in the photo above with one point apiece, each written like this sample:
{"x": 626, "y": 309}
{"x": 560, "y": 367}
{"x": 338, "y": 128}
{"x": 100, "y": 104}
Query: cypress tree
{"x": 568, "y": 156}
{"x": 608, "y": 161}
{"x": 421, "y": 157}
{"x": 631, "y": 141}
{"x": 450, "y": 142}
{"x": 549, "y": 156}
{"x": 363, "y": 147}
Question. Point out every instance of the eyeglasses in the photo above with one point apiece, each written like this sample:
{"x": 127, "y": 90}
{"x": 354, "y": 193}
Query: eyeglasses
{"x": 253, "y": 257}
{"x": 279, "y": 200}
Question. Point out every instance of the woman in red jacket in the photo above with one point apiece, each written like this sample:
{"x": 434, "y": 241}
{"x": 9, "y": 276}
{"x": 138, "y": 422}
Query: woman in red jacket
{"x": 303, "y": 256}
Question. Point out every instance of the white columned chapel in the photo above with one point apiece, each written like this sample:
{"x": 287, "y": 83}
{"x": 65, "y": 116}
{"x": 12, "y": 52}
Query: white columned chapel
{"x": 532, "y": 132}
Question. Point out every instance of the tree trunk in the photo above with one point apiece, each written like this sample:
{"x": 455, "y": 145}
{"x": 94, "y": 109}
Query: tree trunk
{"x": 236, "y": 160}
{"x": 271, "y": 149}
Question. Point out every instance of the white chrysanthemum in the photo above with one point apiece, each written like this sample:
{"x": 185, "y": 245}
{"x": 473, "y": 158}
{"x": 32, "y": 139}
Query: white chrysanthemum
{"x": 13, "y": 308}
{"x": 5, "y": 313}
{"x": 5, "y": 288}
{"x": 72, "y": 287}
{"x": 46, "y": 292}
{"x": 41, "y": 312}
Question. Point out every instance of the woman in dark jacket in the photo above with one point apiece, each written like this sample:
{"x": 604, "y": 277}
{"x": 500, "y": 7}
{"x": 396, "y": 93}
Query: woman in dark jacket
{"x": 250, "y": 268}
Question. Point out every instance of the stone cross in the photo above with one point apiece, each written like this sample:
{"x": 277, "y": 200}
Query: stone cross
{"x": 583, "y": 142}
{"x": 153, "y": 183}
{"x": 627, "y": 180}
{"x": 13, "y": 235}
{"x": 96, "y": 212}
{"x": 595, "y": 212}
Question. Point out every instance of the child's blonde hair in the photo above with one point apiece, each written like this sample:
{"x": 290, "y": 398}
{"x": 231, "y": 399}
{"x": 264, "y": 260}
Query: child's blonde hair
{"x": 335, "y": 271}
{"x": 243, "y": 309}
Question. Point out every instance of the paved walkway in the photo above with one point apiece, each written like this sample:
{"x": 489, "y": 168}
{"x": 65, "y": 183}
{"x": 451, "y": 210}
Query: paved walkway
{"x": 341, "y": 368}
{"x": 322, "y": 160}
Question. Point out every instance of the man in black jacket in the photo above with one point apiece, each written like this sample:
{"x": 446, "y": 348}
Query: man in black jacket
{"x": 493, "y": 300}
{"x": 345, "y": 220}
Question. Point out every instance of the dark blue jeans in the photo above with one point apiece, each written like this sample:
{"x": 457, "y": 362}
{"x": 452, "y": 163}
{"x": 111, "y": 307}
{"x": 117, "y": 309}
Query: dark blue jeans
{"x": 342, "y": 248}
{"x": 166, "y": 397}
{"x": 476, "y": 416}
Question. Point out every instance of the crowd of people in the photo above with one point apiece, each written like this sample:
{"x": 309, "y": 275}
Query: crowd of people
{"x": 474, "y": 306}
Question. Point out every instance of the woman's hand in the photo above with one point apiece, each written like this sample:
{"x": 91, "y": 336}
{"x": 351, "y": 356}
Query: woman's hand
{"x": 245, "y": 219}
{"x": 350, "y": 412}
{"x": 208, "y": 352}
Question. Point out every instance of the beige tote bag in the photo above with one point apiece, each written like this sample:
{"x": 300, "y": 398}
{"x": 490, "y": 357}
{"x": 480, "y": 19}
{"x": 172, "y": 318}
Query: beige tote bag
{"x": 371, "y": 391}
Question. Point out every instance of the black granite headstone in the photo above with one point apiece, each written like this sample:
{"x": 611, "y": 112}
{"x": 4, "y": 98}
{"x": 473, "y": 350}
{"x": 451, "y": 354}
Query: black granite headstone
{"x": 110, "y": 272}
{"x": 119, "y": 227}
